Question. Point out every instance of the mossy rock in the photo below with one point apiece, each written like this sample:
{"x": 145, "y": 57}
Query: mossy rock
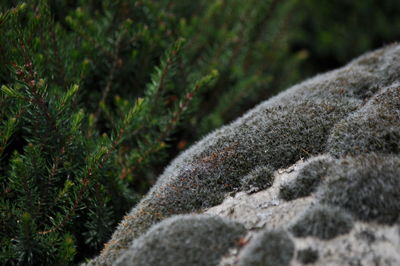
{"x": 307, "y": 180}
{"x": 350, "y": 111}
{"x": 373, "y": 128}
{"x": 324, "y": 222}
{"x": 184, "y": 240}
{"x": 366, "y": 186}
{"x": 258, "y": 179}
{"x": 269, "y": 248}
{"x": 307, "y": 256}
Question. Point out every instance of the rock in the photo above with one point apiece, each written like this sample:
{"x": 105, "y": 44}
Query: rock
{"x": 327, "y": 147}
{"x": 345, "y": 239}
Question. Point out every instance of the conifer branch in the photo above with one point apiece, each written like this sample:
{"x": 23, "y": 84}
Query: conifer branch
{"x": 71, "y": 212}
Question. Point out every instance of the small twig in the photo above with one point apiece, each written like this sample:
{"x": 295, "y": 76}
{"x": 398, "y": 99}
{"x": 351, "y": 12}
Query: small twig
{"x": 106, "y": 90}
{"x": 162, "y": 80}
{"x": 182, "y": 71}
{"x": 31, "y": 83}
{"x": 116, "y": 64}
{"x": 57, "y": 57}
{"x": 6, "y": 191}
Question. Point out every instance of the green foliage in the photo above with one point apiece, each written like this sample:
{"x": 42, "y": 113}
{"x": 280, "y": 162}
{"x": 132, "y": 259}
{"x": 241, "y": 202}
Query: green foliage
{"x": 92, "y": 97}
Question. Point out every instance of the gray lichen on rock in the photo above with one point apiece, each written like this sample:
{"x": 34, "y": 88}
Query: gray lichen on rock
{"x": 349, "y": 112}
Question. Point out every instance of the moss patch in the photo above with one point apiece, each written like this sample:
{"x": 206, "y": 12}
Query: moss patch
{"x": 184, "y": 240}
{"x": 307, "y": 180}
{"x": 367, "y": 186}
{"x": 374, "y": 128}
{"x": 324, "y": 222}
{"x": 307, "y": 256}
{"x": 269, "y": 248}
{"x": 258, "y": 179}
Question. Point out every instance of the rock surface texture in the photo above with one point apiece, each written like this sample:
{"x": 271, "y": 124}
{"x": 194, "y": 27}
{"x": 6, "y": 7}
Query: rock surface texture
{"x": 311, "y": 176}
